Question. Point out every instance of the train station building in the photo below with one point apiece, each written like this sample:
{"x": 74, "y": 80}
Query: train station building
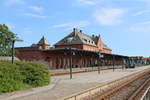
{"x": 76, "y": 49}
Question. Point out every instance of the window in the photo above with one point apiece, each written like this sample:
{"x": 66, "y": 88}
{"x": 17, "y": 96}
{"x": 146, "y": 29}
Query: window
{"x": 69, "y": 39}
{"x": 85, "y": 40}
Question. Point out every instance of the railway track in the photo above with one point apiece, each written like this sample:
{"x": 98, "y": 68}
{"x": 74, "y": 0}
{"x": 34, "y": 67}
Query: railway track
{"x": 131, "y": 87}
{"x": 140, "y": 91}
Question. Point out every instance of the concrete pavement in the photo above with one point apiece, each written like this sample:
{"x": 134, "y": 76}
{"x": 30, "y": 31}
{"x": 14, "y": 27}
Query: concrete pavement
{"x": 62, "y": 86}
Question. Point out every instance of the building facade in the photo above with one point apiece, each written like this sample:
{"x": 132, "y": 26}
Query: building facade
{"x": 77, "y": 39}
{"x": 76, "y": 49}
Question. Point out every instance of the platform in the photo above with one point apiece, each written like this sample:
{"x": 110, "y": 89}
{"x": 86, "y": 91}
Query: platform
{"x": 63, "y": 86}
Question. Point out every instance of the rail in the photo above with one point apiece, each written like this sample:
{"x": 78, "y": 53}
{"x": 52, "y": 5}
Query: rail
{"x": 146, "y": 95}
{"x": 113, "y": 87}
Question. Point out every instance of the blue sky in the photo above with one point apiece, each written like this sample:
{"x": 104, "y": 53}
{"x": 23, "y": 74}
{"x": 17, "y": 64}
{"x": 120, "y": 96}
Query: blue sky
{"x": 124, "y": 25}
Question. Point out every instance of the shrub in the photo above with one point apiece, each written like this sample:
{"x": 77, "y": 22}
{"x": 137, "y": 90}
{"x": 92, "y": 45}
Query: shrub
{"x": 22, "y": 75}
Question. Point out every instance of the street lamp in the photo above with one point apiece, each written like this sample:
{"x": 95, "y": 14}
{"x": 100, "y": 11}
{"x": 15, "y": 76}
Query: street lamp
{"x": 13, "y": 45}
{"x": 71, "y": 54}
{"x": 123, "y": 63}
{"x": 113, "y": 63}
{"x": 100, "y": 55}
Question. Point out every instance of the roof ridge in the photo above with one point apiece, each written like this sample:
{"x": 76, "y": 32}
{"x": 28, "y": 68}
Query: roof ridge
{"x": 43, "y": 40}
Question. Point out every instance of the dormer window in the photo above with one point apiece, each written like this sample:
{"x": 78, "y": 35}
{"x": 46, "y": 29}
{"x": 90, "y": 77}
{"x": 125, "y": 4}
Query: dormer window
{"x": 69, "y": 39}
{"x": 65, "y": 41}
{"x": 85, "y": 40}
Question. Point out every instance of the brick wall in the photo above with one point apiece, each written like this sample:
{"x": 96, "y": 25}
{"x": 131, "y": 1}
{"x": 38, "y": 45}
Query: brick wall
{"x": 70, "y": 46}
{"x": 55, "y": 60}
{"x": 106, "y": 51}
{"x": 84, "y": 47}
{"x": 100, "y": 45}
{"x": 90, "y": 48}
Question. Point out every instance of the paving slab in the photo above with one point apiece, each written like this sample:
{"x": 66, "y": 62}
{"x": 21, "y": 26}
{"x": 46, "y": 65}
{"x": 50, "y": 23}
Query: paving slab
{"x": 63, "y": 86}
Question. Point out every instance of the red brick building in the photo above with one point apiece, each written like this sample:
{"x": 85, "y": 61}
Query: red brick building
{"x": 84, "y": 51}
{"x": 82, "y": 41}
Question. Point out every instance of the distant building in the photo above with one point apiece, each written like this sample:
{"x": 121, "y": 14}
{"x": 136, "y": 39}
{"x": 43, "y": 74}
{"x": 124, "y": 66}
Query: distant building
{"x": 42, "y": 44}
{"x": 84, "y": 52}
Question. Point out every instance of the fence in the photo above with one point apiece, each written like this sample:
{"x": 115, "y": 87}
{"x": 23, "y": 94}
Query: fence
{"x": 7, "y": 58}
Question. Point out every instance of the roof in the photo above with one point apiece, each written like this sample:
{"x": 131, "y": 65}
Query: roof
{"x": 76, "y": 37}
{"x": 43, "y": 41}
{"x": 105, "y": 46}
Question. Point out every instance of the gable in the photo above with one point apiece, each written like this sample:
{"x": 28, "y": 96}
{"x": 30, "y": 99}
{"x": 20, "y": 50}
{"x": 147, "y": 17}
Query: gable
{"x": 77, "y": 38}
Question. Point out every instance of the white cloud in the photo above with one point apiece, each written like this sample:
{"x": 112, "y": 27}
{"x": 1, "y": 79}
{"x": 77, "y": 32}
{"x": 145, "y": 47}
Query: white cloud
{"x": 13, "y": 2}
{"x": 36, "y": 8}
{"x": 34, "y": 15}
{"x": 140, "y": 29}
{"x": 10, "y": 25}
{"x": 145, "y": 1}
{"x": 109, "y": 16}
{"x": 87, "y": 2}
{"x": 74, "y": 24}
{"x": 27, "y": 31}
{"x": 141, "y": 12}
{"x": 146, "y": 22}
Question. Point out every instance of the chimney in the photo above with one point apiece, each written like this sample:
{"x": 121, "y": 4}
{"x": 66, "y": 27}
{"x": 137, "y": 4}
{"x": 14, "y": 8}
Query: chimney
{"x": 99, "y": 35}
{"x": 75, "y": 31}
{"x": 80, "y": 31}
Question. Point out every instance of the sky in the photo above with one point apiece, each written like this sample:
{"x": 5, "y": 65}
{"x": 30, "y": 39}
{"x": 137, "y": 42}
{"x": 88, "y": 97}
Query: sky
{"x": 124, "y": 25}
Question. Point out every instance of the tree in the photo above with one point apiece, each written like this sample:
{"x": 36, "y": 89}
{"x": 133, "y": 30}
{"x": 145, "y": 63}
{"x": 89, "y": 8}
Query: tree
{"x": 5, "y": 40}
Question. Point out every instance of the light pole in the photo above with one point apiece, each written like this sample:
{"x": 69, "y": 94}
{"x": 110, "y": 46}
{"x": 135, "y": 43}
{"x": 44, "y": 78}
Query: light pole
{"x": 100, "y": 55}
{"x": 70, "y": 61}
{"x": 13, "y": 49}
{"x": 113, "y": 63}
{"x": 123, "y": 63}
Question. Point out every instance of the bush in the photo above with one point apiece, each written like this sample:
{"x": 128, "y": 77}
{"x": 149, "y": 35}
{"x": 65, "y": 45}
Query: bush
{"x": 22, "y": 75}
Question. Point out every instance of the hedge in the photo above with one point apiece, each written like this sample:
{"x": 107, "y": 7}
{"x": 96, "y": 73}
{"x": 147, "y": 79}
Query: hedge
{"x": 22, "y": 75}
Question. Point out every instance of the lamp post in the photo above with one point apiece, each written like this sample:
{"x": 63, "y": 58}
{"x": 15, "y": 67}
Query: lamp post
{"x": 100, "y": 55}
{"x": 70, "y": 61}
{"x": 13, "y": 49}
{"x": 113, "y": 63}
{"x": 123, "y": 63}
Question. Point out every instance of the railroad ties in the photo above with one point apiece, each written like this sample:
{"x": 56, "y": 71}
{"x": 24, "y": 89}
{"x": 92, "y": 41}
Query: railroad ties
{"x": 131, "y": 87}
